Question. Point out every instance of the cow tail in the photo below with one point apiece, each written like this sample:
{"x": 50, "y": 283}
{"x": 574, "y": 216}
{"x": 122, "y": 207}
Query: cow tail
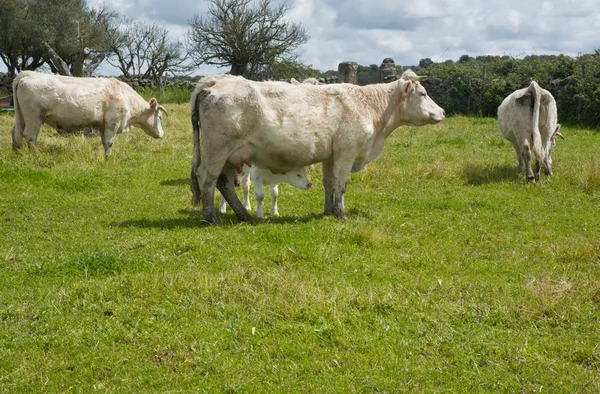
{"x": 18, "y": 128}
{"x": 535, "y": 132}
{"x": 194, "y": 185}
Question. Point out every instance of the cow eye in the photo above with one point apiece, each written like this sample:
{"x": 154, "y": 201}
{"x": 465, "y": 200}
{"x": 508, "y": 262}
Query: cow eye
{"x": 299, "y": 176}
{"x": 424, "y": 94}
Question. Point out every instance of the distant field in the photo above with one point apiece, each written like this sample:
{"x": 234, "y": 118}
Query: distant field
{"x": 452, "y": 274}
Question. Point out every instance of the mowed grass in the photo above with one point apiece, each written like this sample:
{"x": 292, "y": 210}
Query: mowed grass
{"x": 451, "y": 274}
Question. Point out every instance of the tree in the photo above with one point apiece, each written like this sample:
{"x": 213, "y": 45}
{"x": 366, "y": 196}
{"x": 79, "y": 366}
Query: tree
{"x": 65, "y": 34}
{"x": 246, "y": 39}
{"x": 147, "y": 50}
{"x": 425, "y": 62}
{"x": 284, "y": 69}
{"x": 19, "y": 48}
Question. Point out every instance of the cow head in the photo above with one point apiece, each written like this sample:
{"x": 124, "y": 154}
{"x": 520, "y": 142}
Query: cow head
{"x": 417, "y": 108}
{"x": 152, "y": 119}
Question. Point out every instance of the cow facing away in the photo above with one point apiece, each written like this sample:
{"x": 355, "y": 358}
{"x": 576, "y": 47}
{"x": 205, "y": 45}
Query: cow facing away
{"x": 281, "y": 126}
{"x": 263, "y": 177}
{"x": 69, "y": 104}
{"x": 528, "y": 119}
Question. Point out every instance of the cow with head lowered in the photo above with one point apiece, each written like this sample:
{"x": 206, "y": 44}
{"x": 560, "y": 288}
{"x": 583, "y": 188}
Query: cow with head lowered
{"x": 528, "y": 119}
{"x": 70, "y": 103}
{"x": 281, "y": 126}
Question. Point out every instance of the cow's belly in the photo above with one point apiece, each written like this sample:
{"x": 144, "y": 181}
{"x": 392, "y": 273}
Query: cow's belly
{"x": 71, "y": 119}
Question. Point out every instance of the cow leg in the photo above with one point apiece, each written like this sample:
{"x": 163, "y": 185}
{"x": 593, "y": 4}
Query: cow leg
{"x": 536, "y": 174}
{"x": 226, "y": 185}
{"x": 17, "y": 137}
{"x": 519, "y": 156}
{"x": 526, "y": 156}
{"x": 274, "y": 194}
{"x": 328, "y": 186}
{"x": 108, "y": 137}
{"x": 32, "y": 129}
{"x": 245, "y": 183}
{"x": 259, "y": 194}
{"x": 341, "y": 173}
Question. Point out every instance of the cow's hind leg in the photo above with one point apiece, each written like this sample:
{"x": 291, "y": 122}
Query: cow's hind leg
{"x": 17, "y": 137}
{"x": 226, "y": 185}
{"x": 32, "y": 129}
{"x": 526, "y": 156}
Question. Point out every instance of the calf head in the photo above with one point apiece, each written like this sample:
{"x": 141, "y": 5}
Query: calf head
{"x": 298, "y": 178}
{"x": 152, "y": 116}
{"x": 417, "y": 108}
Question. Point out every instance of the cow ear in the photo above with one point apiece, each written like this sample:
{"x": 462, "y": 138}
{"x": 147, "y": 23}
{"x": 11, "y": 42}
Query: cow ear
{"x": 407, "y": 86}
{"x": 153, "y": 103}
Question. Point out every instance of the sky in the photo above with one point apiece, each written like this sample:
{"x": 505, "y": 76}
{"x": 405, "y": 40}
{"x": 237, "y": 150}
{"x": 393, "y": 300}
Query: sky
{"x": 368, "y": 31}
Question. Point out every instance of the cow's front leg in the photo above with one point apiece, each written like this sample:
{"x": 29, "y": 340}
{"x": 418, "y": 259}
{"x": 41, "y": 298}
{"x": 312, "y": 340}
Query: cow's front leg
{"x": 226, "y": 185}
{"x": 108, "y": 137}
{"x": 328, "y": 186}
{"x": 341, "y": 173}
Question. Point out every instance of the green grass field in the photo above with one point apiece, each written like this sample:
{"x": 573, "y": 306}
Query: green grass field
{"x": 452, "y": 274}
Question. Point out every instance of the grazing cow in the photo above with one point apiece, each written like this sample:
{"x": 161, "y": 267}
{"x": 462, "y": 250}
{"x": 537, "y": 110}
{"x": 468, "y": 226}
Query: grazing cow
{"x": 280, "y": 126}
{"x": 263, "y": 177}
{"x": 69, "y": 103}
{"x": 528, "y": 119}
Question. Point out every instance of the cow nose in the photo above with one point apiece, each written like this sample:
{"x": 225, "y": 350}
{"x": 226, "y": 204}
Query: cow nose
{"x": 443, "y": 114}
{"x": 309, "y": 185}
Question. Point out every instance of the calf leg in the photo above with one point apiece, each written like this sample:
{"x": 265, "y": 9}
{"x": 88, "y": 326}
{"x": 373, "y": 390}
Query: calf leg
{"x": 245, "y": 183}
{"x": 274, "y": 194}
{"x": 222, "y": 205}
{"x": 260, "y": 196}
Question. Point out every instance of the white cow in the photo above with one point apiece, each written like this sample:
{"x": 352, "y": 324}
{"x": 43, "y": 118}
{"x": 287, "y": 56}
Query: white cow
{"x": 263, "y": 177}
{"x": 280, "y": 126}
{"x": 69, "y": 103}
{"x": 528, "y": 119}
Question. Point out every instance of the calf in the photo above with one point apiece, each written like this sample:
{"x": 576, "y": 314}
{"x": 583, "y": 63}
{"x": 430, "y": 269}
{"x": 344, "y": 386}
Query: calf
{"x": 69, "y": 103}
{"x": 263, "y": 177}
{"x": 528, "y": 119}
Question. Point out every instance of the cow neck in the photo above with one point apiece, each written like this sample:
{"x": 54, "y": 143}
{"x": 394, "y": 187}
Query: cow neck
{"x": 137, "y": 108}
{"x": 386, "y": 107}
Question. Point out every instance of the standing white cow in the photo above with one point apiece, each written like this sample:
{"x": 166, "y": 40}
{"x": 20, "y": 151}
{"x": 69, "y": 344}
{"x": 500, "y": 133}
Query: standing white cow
{"x": 280, "y": 126}
{"x": 263, "y": 177}
{"x": 528, "y": 119}
{"x": 69, "y": 103}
